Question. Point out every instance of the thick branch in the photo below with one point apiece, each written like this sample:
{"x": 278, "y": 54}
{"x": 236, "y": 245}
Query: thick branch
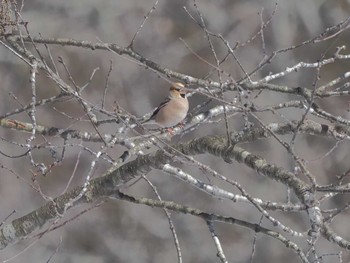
{"x": 105, "y": 185}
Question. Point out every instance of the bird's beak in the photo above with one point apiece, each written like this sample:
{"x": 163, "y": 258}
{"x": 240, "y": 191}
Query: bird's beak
{"x": 185, "y": 90}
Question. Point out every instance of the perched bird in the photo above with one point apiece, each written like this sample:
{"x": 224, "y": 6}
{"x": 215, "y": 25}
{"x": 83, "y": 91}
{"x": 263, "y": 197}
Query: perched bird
{"x": 173, "y": 110}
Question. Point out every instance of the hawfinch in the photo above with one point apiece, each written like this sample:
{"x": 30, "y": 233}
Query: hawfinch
{"x": 173, "y": 110}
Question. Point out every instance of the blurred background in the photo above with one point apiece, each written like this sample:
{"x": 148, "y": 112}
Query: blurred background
{"x": 122, "y": 232}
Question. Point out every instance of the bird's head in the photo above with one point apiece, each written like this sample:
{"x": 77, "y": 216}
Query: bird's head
{"x": 177, "y": 90}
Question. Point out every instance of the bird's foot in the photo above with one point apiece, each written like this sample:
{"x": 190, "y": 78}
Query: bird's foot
{"x": 170, "y": 131}
{"x": 181, "y": 125}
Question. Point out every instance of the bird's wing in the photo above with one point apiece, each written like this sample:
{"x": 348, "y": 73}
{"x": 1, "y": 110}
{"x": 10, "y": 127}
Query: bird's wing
{"x": 165, "y": 102}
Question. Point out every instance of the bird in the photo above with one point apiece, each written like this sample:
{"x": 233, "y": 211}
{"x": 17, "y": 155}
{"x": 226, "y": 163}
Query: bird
{"x": 172, "y": 110}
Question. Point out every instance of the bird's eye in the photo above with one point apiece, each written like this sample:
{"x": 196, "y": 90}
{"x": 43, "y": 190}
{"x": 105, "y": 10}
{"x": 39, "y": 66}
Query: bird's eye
{"x": 175, "y": 89}
{"x": 183, "y": 95}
